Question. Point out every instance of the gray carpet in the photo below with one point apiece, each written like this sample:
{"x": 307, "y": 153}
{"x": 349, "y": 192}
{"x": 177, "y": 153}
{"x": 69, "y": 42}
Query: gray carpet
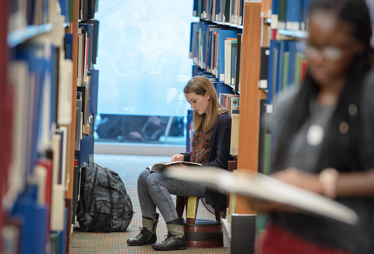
{"x": 129, "y": 167}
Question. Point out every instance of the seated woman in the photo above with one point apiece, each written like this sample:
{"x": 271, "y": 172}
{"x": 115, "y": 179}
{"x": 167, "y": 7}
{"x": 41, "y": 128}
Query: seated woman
{"x": 210, "y": 147}
{"x": 325, "y": 136}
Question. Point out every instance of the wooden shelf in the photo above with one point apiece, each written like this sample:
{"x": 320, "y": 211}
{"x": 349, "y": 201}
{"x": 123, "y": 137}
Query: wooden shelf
{"x": 16, "y": 37}
{"x": 250, "y": 96}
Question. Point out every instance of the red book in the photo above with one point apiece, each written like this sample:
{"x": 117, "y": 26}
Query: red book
{"x": 304, "y": 68}
{"x": 47, "y": 164}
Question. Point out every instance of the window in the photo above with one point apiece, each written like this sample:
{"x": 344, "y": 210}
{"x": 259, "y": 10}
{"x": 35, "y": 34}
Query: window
{"x": 144, "y": 65}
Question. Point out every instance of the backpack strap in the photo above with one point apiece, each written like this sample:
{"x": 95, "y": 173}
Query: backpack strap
{"x": 93, "y": 184}
{"x": 110, "y": 192}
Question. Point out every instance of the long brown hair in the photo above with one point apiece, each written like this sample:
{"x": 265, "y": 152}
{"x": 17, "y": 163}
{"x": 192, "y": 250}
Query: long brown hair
{"x": 201, "y": 85}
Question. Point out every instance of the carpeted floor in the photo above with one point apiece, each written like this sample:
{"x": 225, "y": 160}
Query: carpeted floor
{"x": 129, "y": 167}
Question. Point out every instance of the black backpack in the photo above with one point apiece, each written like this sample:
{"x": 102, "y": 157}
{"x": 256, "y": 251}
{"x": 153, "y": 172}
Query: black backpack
{"x": 104, "y": 205}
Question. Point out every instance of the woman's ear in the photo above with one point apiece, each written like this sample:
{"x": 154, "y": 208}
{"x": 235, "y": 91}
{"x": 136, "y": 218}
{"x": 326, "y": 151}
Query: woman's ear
{"x": 207, "y": 95}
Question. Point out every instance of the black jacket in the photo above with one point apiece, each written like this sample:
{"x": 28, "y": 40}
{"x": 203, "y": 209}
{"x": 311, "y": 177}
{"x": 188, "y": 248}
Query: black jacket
{"x": 219, "y": 155}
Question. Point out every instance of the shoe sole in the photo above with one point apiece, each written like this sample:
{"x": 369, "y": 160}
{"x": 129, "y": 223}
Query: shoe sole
{"x": 129, "y": 244}
{"x": 165, "y": 249}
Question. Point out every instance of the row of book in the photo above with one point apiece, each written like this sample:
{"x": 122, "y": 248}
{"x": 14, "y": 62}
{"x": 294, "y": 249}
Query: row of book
{"x": 40, "y": 73}
{"x": 217, "y": 51}
{"x": 38, "y": 12}
{"x": 41, "y": 78}
{"x": 229, "y": 102}
{"x": 229, "y": 11}
{"x": 286, "y": 66}
{"x": 87, "y": 9}
{"x": 288, "y": 14}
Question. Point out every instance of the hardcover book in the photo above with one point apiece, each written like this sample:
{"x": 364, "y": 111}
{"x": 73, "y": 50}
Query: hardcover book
{"x": 158, "y": 167}
{"x": 267, "y": 188}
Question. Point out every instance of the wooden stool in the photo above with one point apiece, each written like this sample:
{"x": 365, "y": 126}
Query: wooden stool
{"x": 199, "y": 233}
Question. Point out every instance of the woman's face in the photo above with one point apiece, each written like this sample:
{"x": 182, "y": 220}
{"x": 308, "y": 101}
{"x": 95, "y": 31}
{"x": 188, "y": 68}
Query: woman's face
{"x": 330, "y": 48}
{"x": 198, "y": 102}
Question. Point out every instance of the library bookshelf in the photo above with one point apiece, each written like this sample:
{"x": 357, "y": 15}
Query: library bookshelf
{"x": 40, "y": 58}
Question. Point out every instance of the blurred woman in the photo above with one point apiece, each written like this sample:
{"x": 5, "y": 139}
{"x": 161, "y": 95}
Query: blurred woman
{"x": 325, "y": 136}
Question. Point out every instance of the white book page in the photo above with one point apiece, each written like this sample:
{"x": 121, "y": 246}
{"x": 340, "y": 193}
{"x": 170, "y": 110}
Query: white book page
{"x": 264, "y": 187}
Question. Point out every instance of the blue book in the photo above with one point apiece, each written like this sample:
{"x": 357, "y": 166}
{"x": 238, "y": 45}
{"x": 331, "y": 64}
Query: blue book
{"x": 64, "y": 4}
{"x": 195, "y": 32}
{"x": 209, "y": 51}
{"x": 195, "y": 8}
{"x": 271, "y": 72}
{"x": 94, "y": 91}
{"x": 195, "y": 69}
{"x": 215, "y": 85}
{"x": 233, "y": 64}
{"x": 218, "y": 10}
{"x": 293, "y": 14}
{"x": 34, "y": 217}
{"x": 40, "y": 228}
{"x": 223, "y": 35}
{"x": 291, "y": 63}
{"x": 24, "y": 207}
{"x": 87, "y": 147}
{"x": 188, "y": 123}
{"x": 204, "y": 28}
{"x": 200, "y": 8}
{"x": 280, "y": 66}
{"x": 68, "y": 46}
{"x": 274, "y": 14}
{"x": 304, "y": 14}
{"x": 232, "y": 3}
{"x": 207, "y": 16}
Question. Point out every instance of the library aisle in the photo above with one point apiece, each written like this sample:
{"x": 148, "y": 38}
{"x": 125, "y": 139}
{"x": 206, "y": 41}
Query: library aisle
{"x": 129, "y": 167}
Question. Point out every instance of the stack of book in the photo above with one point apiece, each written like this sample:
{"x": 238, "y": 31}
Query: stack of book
{"x": 230, "y": 11}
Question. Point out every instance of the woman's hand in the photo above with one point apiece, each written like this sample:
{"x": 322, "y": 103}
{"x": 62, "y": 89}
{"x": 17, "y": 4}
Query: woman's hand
{"x": 177, "y": 157}
{"x": 300, "y": 179}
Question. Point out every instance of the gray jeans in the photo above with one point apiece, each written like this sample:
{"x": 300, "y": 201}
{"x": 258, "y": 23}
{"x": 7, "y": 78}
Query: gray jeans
{"x": 154, "y": 190}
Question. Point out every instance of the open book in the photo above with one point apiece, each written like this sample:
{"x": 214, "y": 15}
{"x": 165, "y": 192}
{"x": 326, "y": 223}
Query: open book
{"x": 158, "y": 167}
{"x": 261, "y": 186}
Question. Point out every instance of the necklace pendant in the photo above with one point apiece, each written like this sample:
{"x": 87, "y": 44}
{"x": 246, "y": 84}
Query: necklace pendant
{"x": 315, "y": 135}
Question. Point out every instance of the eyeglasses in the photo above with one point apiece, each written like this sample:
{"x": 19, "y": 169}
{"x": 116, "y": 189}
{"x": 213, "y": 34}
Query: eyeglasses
{"x": 328, "y": 52}
{"x": 332, "y": 53}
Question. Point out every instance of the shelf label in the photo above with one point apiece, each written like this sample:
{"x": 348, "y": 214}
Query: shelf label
{"x": 252, "y": 1}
